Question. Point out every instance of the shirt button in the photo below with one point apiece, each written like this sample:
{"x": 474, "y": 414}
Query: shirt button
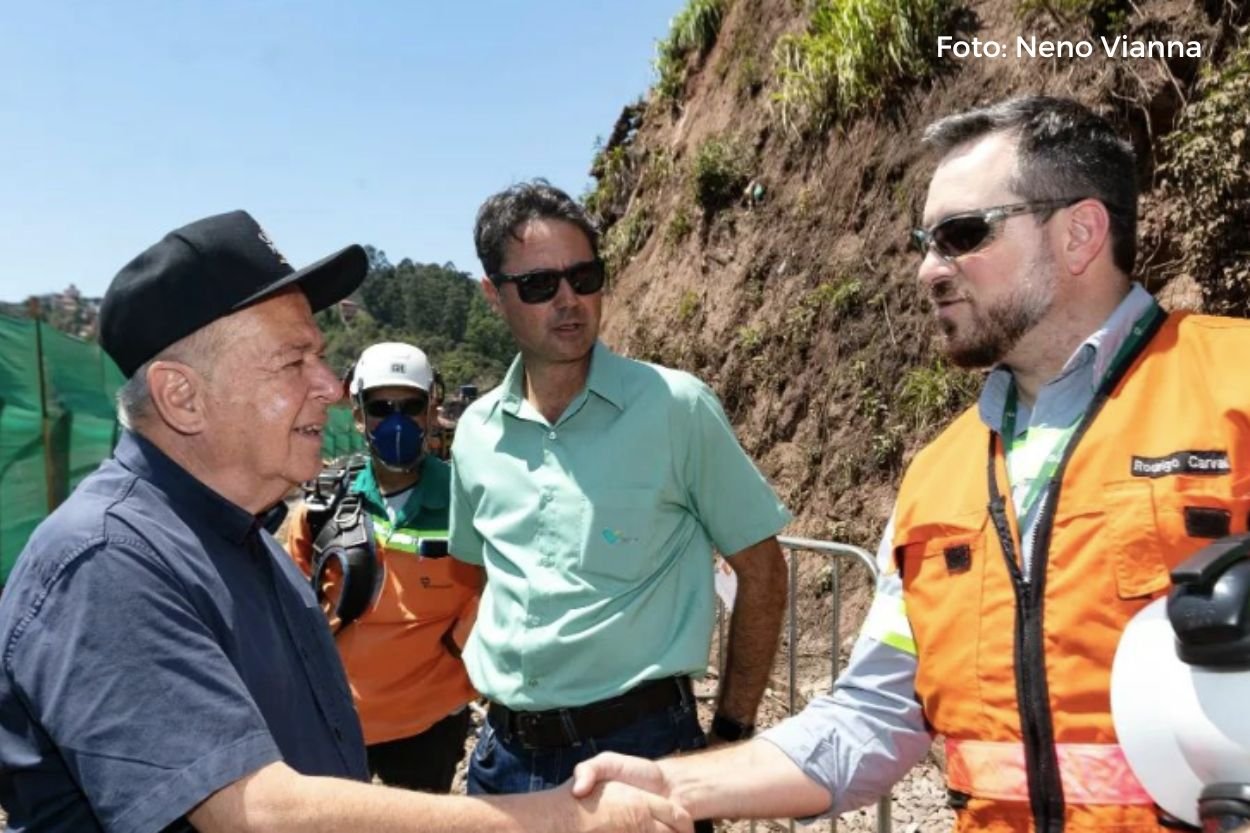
{"x": 546, "y": 497}
{"x": 532, "y": 681}
{"x": 551, "y": 436}
{"x": 338, "y": 733}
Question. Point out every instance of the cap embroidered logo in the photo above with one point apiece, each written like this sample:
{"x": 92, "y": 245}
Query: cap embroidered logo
{"x": 264, "y": 238}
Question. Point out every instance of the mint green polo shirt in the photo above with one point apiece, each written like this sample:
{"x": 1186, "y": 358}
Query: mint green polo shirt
{"x": 597, "y": 532}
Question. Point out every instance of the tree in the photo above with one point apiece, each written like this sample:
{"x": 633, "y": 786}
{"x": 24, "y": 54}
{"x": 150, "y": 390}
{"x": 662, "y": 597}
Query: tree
{"x": 487, "y": 333}
{"x": 455, "y": 311}
{"x": 435, "y": 307}
{"x": 382, "y": 295}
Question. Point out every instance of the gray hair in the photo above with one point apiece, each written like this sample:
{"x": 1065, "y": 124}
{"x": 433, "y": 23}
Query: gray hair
{"x": 1064, "y": 150}
{"x": 199, "y": 350}
{"x": 134, "y": 399}
{"x": 503, "y": 214}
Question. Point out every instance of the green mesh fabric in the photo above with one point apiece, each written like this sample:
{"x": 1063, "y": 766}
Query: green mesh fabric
{"x": 55, "y": 428}
{"x": 23, "y": 473}
{"x": 340, "y": 436}
{"x": 80, "y": 405}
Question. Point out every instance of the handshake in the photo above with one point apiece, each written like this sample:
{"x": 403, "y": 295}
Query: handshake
{"x": 613, "y": 792}
{"x": 621, "y": 793}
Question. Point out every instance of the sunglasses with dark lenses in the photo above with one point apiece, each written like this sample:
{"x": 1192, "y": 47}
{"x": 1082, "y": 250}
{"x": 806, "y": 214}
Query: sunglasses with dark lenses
{"x": 965, "y": 232}
{"x": 541, "y": 285}
{"x": 413, "y": 406}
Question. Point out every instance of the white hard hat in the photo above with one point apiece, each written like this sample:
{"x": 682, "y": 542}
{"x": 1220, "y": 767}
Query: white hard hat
{"x": 392, "y": 363}
{"x": 1182, "y": 727}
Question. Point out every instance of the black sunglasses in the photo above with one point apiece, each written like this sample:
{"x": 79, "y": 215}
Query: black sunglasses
{"x": 967, "y": 231}
{"x": 541, "y": 285}
{"x": 412, "y": 406}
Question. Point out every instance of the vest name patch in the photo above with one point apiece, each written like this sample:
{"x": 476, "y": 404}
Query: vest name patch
{"x": 1182, "y": 462}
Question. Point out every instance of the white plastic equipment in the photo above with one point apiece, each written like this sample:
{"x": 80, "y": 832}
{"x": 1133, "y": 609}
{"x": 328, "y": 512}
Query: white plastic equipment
{"x": 1181, "y": 727}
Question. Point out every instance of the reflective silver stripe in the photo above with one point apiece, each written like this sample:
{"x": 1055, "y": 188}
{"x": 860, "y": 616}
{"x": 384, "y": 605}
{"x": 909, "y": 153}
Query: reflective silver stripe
{"x": 887, "y": 620}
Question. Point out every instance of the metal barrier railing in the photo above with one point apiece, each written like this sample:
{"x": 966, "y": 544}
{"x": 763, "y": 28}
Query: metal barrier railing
{"x": 836, "y": 550}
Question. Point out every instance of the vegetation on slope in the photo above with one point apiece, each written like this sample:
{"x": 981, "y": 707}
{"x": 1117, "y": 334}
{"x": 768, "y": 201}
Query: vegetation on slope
{"x": 853, "y": 55}
{"x": 692, "y": 33}
{"x": 1208, "y": 174}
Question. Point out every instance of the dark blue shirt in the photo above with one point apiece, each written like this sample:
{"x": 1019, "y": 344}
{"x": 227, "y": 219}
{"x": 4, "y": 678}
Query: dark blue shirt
{"x": 156, "y": 645}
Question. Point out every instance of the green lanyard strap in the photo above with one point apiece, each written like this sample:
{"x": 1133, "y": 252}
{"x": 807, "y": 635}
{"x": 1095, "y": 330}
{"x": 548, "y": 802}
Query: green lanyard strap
{"x": 1144, "y": 325}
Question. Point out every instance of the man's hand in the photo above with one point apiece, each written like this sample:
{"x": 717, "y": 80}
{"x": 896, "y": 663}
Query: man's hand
{"x": 610, "y": 766}
{"x": 615, "y": 807}
{"x": 749, "y": 780}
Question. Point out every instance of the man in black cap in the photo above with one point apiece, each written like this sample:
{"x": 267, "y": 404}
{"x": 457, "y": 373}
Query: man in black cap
{"x": 163, "y": 664}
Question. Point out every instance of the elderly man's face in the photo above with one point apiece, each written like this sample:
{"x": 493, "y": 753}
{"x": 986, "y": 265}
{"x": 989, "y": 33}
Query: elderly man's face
{"x": 267, "y": 396}
{"x": 986, "y": 300}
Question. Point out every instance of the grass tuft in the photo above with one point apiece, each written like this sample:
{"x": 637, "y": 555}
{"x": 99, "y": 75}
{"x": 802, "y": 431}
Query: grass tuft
{"x": 718, "y": 174}
{"x": 625, "y": 238}
{"x": 692, "y": 32}
{"x": 928, "y": 395}
{"x": 853, "y": 54}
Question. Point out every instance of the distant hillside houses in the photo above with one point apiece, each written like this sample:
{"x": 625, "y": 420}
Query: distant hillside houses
{"x": 67, "y": 311}
{"x": 70, "y": 312}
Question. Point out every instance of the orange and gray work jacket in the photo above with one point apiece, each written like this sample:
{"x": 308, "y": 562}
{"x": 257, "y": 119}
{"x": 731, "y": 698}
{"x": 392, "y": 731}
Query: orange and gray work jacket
{"x": 402, "y": 654}
{"x": 996, "y": 619}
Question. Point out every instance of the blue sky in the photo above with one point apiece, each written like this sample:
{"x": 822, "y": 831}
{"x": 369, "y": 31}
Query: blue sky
{"x": 332, "y": 122}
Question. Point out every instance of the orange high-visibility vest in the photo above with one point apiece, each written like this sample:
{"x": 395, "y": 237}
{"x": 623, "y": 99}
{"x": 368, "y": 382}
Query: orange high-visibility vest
{"x": 1017, "y": 677}
{"x": 403, "y": 677}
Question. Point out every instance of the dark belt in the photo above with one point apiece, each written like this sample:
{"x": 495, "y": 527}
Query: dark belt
{"x": 561, "y": 728}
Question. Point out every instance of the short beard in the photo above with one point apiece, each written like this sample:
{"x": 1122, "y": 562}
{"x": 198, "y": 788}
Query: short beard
{"x": 995, "y": 332}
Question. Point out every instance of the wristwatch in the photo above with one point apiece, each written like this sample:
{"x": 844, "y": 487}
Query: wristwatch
{"x": 726, "y": 728}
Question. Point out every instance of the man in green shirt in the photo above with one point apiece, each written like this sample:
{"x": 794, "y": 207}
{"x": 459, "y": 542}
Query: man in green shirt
{"x": 593, "y": 489}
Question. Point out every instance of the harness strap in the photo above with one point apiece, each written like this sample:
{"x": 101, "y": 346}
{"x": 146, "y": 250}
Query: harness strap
{"x": 347, "y": 541}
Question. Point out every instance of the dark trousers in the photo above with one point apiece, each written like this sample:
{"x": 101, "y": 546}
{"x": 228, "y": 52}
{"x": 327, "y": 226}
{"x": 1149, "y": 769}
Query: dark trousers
{"x": 425, "y": 762}
{"x": 502, "y": 765}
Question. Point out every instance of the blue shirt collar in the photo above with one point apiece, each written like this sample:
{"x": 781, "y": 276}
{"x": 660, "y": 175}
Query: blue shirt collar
{"x": 189, "y": 495}
{"x": 1086, "y": 367}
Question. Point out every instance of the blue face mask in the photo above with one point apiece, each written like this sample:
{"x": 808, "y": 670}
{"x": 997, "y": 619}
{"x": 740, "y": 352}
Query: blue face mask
{"x": 397, "y": 441}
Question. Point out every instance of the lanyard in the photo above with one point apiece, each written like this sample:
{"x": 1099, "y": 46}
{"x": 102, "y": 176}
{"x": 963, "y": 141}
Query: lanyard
{"x": 1049, "y": 466}
{"x": 1143, "y": 328}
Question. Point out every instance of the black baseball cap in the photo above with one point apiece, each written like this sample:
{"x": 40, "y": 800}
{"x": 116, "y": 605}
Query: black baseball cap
{"x": 205, "y": 271}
